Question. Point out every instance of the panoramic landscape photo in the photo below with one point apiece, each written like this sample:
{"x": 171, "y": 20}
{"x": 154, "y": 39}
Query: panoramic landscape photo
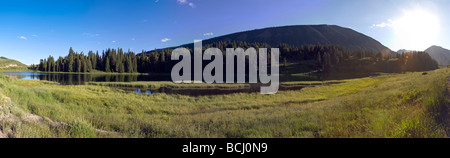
{"x": 224, "y": 69}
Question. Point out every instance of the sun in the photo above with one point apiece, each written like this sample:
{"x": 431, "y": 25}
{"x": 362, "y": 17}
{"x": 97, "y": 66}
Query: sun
{"x": 416, "y": 29}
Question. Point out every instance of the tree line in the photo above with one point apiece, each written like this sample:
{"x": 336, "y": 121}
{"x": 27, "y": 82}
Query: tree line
{"x": 336, "y": 58}
{"x": 325, "y": 58}
{"x": 110, "y": 60}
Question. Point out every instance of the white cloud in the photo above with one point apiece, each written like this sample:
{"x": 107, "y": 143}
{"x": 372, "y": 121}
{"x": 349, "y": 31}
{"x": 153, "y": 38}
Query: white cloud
{"x": 192, "y": 5}
{"x": 165, "y": 39}
{"x": 22, "y": 37}
{"x": 183, "y": 2}
{"x": 133, "y": 39}
{"x": 208, "y": 34}
{"x": 34, "y": 35}
{"x": 114, "y": 41}
{"x": 383, "y": 24}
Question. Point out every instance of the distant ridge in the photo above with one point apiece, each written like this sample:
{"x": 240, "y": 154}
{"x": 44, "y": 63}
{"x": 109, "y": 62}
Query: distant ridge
{"x": 441, "y": 55}
{"x": 6, "y": 63}
{"x": 298, "y": 35}
{"x": 404, "y": 51}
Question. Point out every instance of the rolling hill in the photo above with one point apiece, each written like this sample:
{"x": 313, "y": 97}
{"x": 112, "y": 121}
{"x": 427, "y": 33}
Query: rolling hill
{"x": 299, "y": 35}
{"x": 9, "y": 64}
{"x": 441, "y": 55}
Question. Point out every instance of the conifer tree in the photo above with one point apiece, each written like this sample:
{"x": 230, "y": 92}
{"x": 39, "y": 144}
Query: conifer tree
{"x": 107, "y": 68}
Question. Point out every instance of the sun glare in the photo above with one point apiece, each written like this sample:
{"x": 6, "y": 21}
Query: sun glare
{"x": 416, "y": 29}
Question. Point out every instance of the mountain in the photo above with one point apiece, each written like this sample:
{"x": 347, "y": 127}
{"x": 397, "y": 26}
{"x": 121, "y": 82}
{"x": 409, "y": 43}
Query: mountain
{"x": 401, "y": 51}
{"x": 441, "y": 55}
{"x": 9, "y": 64}
{"x": 299, "y": 35}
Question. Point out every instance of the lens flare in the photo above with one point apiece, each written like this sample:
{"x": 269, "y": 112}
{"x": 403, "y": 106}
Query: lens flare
{"x": 416, "y": 29}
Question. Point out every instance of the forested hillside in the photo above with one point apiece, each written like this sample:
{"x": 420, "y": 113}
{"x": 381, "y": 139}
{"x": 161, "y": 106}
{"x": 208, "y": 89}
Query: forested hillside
{"x": 300, "y": 35}
{"x": 324, "y": 58}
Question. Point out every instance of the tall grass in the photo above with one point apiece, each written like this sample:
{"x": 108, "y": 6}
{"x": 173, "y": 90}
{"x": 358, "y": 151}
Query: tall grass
{"x": 389, "y": 105}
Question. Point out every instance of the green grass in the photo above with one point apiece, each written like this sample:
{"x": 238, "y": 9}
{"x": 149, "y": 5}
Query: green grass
{"x": 310, "y": 83}
{"x": 389, "y": 105}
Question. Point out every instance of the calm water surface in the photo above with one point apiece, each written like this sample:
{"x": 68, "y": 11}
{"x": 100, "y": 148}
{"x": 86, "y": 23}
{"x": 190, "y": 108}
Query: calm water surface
{"x": 81, "y": 79}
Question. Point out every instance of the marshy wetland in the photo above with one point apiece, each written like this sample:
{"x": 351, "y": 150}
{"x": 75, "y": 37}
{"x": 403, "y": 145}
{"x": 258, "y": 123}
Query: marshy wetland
{"x": 161, "y": 83}
{"x": 361, "y": 107}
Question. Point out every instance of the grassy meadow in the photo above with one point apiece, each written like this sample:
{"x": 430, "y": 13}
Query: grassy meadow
{"x": 388, "y": 105}
{"x": 11, "y": 65}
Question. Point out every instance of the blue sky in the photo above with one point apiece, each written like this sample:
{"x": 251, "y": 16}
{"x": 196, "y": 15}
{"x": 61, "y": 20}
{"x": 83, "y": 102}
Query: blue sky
{"x": 33, "y": 29}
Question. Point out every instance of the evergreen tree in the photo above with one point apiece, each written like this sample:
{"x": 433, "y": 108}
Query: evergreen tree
{"x": 78, "y": 64}
{"x": 162, "y": 62}
{"x": 135, "y": 65}
{"x": 107, "y": 68}
{"x": 45, "y": 65}
{"x": 85, "y": 68}
{"x": 71, "y": 60}
{"x": 129, "y": 65}
{"x": 319, "y": 61}
{"x": 41, "y": 65}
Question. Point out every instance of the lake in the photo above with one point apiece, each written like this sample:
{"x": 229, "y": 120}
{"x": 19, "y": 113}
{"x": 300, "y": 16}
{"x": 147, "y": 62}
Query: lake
{"x": 206, "y": 92}
{"x": 80, "y": 79}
